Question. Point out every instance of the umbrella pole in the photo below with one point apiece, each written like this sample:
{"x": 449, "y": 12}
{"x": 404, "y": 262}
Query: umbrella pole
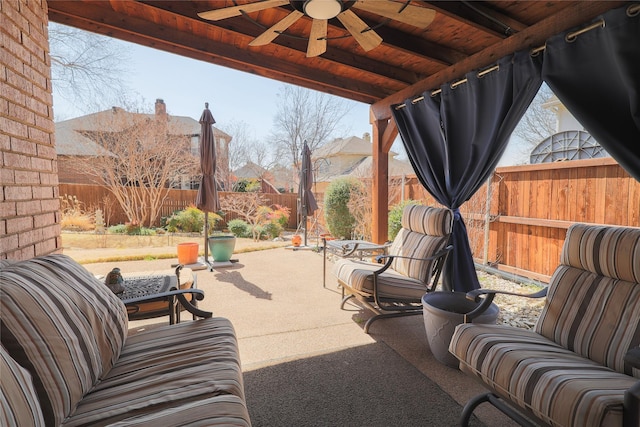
{"x": 304, "y": 224}
{"x": 206, "y": 238}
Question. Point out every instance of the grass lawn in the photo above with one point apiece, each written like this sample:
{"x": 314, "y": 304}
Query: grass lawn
{"x": 91, "y": 247}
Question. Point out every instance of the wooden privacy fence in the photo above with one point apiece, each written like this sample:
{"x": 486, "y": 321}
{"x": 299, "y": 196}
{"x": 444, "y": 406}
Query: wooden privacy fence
{"x": 518, "y": 221}
{"x": 96, "y": 197}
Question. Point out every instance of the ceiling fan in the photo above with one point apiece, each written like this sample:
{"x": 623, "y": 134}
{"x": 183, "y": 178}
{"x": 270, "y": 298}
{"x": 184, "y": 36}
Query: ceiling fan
{"x": 320, "y": 11}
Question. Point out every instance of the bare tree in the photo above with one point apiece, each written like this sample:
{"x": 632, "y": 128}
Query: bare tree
{"x": 305, "y": 115}
{"x": 244, "y": 149}
{"x": 538, "y": 122}
{"x": 86, "y": 67}
{"x": 140, "y": 157}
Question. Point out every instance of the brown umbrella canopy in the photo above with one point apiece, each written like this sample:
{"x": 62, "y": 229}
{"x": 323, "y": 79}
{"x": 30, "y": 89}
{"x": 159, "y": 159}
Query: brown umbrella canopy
{"x": 308, "y": 204}
{"x": 207, "y": 198}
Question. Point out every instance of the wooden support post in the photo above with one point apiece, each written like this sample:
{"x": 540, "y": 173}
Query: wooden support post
{"x": 384, "y": 133}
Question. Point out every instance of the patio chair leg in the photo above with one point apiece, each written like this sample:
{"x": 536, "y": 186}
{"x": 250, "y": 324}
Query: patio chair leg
{"x": 345, "y": 299}
{"x": 495, "y": 400}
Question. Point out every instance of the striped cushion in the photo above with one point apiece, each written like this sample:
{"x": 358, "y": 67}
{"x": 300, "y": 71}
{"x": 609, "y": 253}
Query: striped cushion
{"x": 593, "y": 303}
{"x": 174, "y": 370}
{"x": 424, "y": 232}
{"x": 63, "y": 325}
{"x": 427, "y": 220}
{"x": 415, "y": 245}
{"x": 607, "y": 251}
{"x": 19, "y": 406}
{"x": 558, "y": 386}
{"x": 358, "y": 276}
{"x": 229, "y": 411}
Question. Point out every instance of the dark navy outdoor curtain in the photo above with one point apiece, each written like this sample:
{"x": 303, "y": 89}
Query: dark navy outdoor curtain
{"x": 455, "y": 139}
{"x": 596, "y": 75}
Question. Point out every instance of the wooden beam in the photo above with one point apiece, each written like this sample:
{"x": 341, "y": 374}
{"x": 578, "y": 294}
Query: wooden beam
{"x": 420, "y": 47}
{"x": 240, "y": 27}
{"x": 380, "y": 181}
{"x": 528, "y": 38}
{"x": 463, "y": 12}
{"x": 99, "y": 17}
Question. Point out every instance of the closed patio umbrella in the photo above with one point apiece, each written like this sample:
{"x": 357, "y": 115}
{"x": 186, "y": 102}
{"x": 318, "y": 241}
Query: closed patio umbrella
{"x": 207, "y": 198}
{"x": 308, "y": 204}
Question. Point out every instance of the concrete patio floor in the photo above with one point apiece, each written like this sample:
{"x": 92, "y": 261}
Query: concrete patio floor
{"x": 281, "y": 312}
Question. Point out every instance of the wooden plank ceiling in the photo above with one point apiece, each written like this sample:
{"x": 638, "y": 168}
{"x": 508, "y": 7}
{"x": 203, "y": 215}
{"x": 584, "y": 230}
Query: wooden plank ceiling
{"x": 463, "y": 36}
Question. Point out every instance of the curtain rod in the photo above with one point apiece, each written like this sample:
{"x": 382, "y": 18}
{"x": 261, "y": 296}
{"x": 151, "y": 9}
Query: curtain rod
{"x": 632, "y": 10}
{"x": 453, "y": 85}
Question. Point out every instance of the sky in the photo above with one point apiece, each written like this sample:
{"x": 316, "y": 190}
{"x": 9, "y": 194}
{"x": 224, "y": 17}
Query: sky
{"x": 186, "y": 84}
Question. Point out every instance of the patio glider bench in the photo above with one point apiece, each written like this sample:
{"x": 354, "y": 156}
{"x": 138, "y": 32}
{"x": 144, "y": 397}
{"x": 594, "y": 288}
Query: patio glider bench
{"x": 66, "y": 358}
{"x": 413, "y": 265}
{"x": 580, "y": 366}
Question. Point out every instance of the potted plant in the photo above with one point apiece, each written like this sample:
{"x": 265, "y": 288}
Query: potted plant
{"x": 221, "y": 246}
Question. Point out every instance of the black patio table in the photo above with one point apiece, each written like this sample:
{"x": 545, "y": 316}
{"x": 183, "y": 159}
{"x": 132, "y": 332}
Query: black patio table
{"x": 152, "y": 294}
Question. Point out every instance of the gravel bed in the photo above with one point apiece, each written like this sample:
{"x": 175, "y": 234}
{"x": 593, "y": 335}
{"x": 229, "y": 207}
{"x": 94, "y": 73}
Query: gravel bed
{"x": 514, "y": 311}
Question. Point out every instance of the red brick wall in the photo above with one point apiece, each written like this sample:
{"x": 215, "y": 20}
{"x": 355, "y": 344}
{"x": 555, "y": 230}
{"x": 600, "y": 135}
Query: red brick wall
{"x": 29, "y": 204}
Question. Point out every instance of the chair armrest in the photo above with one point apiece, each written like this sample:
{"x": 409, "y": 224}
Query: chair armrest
{"x": 632, "y": 357}
{"x": 198, "y": 294}
{"x": 437, "y": 256}
{"x": 350, "y": 248}
{"x": 485, "y": 303}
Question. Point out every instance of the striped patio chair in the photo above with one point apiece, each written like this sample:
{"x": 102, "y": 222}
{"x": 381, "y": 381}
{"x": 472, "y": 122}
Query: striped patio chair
{"x": 412, "y": 268}
{"x": 580, "y": 366}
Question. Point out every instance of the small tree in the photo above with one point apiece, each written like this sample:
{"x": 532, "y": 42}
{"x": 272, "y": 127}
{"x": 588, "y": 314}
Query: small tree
{"x": 250, "y": 207}
{"x": 141, "y": 156}
{"x": 339, "y": 220}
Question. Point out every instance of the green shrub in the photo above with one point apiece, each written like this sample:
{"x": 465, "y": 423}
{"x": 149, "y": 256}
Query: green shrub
{"x": 339, "y": 220}
{"x": 239, "y": 228}
{"x": 395, "y": 217}
{"x": 144, "y": 231}
{"x": 118, "y": 229}
{"x": 272, "y": 229}
{"x": 190, "y": 220}
{"x": 131, "y": 230}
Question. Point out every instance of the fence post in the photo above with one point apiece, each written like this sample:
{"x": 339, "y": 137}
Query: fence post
{"x": 487, "y": 223}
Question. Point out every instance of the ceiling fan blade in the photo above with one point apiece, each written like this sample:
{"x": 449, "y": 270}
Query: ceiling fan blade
{"x": 318, "y": 38}
{"x": 228, "y": 12}
{"x": 412, "y": 15}
{"x": 273, "y": 32}
{"x": 367, "y": 39}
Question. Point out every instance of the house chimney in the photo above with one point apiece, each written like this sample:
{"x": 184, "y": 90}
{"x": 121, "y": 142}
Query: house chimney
{"x": 161, "y": 108}
{"x": 366, "y": 136}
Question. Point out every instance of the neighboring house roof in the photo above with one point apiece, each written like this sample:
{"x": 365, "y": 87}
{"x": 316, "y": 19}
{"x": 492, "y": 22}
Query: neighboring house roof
{"x": 345, "y": 146}
{"x": 284, "y": 177}
{"x": 396, "y": 168}
{"x": 72, "y": 143}
{"x": 250, "y": 170}
{"x": 352, "y": 157}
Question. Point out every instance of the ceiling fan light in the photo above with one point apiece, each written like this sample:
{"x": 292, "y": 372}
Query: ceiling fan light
{"x": 322, "y": 9}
